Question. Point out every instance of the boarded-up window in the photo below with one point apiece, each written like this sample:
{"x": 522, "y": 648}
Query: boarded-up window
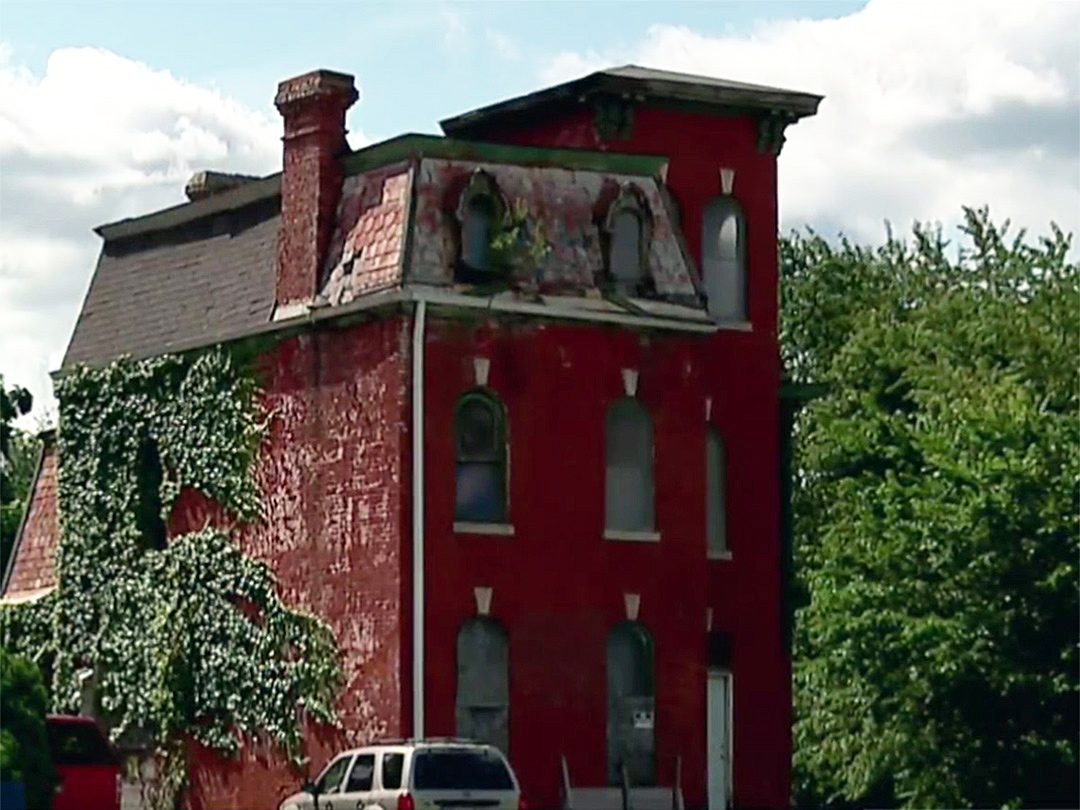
{"x": 715, "y": 493}
{"x": 631, "y": 704}
{"x": 482, "y": 706}
{"x": 476, "y": 232}
{"x": 629, "y": 459}
{"x": 480, "y": 479}
{"x": 627, "y": 268}
{"x": 723, "y": 254}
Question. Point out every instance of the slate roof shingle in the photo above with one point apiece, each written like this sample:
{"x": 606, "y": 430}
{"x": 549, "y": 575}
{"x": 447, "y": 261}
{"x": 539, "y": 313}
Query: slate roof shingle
{"x": 185, "y": 286}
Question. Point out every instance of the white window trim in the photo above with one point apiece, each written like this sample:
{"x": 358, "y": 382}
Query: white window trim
{"x": 632, "y": 536}
{"x": 468, "y": 527}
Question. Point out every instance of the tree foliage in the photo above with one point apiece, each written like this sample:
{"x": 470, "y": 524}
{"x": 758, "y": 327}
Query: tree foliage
{"x": 17, "y": 453}
{"x": 24, "y": 746}
{"x": 936, "y": 518}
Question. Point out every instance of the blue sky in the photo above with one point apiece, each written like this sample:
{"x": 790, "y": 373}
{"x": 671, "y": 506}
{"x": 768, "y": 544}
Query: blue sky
{"x": 106, "y": 109}
{"x": 416, "y": 62}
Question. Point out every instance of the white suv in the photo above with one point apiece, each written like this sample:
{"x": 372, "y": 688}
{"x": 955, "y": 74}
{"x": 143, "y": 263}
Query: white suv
{"x": 413, "y": 775}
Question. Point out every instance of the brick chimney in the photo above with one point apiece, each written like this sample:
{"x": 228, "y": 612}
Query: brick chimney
{"x": 313, "y": 106}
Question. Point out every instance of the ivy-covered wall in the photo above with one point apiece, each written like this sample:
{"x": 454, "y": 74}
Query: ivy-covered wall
{"x": 211, "y": 509}
{"x": 183, "y": 635}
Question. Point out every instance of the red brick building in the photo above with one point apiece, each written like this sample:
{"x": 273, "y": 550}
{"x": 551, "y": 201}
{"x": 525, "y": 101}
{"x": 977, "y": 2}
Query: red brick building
{"x": 525, "y": 454}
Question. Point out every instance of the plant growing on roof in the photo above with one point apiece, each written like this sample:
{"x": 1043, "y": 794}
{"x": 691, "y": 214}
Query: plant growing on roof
{"x": 187, "y": 638}
{"x": 517, "y": 242}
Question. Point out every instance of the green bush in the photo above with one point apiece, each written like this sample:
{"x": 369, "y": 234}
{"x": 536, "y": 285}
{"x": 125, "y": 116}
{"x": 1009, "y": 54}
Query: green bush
{"x": 24, "y": 748}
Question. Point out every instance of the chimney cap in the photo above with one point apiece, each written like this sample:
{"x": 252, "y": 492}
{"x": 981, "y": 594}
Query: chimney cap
{"x": 207, "y": 183}
{"x": 316, "y": 83}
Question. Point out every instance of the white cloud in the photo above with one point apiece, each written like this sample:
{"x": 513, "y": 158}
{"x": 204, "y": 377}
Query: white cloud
{"x": 927, "y": 108}
{"x": 95, "y": 138}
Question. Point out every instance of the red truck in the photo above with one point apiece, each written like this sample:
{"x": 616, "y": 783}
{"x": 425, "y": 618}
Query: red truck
{"x": 87, "y": 766}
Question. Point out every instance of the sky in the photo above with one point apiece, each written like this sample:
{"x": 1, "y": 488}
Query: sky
{"x": 106, "y": 109}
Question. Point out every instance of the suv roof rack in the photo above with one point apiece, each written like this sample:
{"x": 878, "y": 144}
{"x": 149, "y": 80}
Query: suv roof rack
{"x": 420, "y": 740}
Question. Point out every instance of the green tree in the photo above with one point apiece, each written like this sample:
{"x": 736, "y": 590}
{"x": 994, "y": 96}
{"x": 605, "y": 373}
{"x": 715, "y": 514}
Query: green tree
{"x": 936, "y": 518}
{"x": 17, "y": 451}
{"x": 24, "y": 747}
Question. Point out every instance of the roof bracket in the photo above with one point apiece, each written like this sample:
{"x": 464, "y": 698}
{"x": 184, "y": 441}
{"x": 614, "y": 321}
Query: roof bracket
{"x": 613, "y": 118}
{"x": 770, "y": 131}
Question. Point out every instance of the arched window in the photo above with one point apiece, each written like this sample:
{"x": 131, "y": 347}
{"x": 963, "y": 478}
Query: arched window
{"x": 723, "y": 257}
{"x": 476, "y": 232}
{"x": 628, "y": 227}
{"x": 627, "y": 268}
{"x": 631, "y": 704}
{"x": 715, "y": 494}
{"x": 480, "y": 477}
{"x": 482, "y": 705}
{"x": 629, "y": 459}
{"x": 480, "y": 206}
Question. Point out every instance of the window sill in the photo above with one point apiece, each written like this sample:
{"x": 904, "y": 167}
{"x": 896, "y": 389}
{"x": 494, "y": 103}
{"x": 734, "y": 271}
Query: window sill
{"x": 735, "y": 326}
{"x": 501, "y": 529}
{"x": 719, "y": 555}
{"x": 632, "y": 537}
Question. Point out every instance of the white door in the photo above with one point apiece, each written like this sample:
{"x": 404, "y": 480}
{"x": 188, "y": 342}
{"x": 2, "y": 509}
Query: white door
{"x": 718, "y": 733}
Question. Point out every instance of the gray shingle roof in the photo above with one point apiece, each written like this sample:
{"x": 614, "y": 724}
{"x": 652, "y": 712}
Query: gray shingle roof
{"x": 707, "y": 92}
{"x": 169, "y": 290}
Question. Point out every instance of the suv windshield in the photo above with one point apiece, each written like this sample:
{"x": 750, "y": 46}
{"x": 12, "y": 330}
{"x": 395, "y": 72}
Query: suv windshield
{"x": 461, "y": 769}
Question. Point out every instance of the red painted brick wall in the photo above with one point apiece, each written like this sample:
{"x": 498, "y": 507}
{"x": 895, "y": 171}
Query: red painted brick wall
{"x": 741, "y": 373}
{"x": 558, "y": 585}
{"x": 335, "y": 532}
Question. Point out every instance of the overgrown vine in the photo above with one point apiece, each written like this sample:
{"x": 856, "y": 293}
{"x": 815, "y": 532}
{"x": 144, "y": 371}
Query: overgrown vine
{"x": 186, "y": 636}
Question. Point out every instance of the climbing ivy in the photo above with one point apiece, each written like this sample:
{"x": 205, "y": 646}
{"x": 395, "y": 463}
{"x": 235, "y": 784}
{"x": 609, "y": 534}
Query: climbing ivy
{"x": 187, "y": 636}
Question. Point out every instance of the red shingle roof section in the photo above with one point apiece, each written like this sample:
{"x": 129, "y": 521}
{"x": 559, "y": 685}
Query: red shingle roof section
{"x": 369, "y": 235}
{"x": 33, "y": 571}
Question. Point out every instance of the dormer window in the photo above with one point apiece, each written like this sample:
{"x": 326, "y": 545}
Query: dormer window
{"x": 480, "y": 207}
{"x": 628, "y": 226}
{"x": 476, "y": 232}
{"x": 723, "y": 255}
{"x": 627, "y": 268}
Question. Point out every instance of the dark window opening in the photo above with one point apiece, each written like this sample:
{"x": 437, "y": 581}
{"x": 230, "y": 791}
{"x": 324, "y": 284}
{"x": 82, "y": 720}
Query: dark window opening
{"x": 78, "y": 743}
{"x": 715, "y": 493}
{"x": 628, "y": 500}
{"x": 476, "y": 233}
{"x": 392, "y": 766}
{"x": 332, "y": 778}
{"x": 148, "y": 518}
{"x": 627, "y": 267}
{"x": 631, "y": 705}
{"x": 480, "y": 475}
{"x": 362, "y": 774}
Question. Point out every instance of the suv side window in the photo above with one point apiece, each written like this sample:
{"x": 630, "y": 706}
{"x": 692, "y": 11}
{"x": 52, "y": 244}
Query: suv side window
{"x": 392, "y": 765}
{"x": 331, "y": 779}
{"x": 363, "y": 772}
